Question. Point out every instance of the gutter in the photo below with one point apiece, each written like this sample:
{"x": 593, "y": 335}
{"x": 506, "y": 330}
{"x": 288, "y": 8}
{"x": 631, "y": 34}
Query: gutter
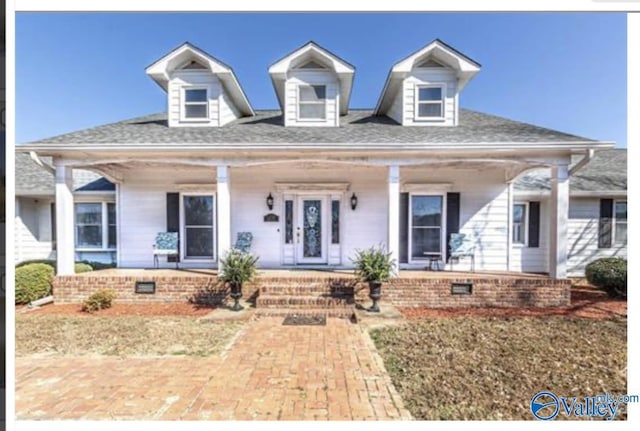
{"x": 39, "y": 162}
{"x": 588, "y": 155}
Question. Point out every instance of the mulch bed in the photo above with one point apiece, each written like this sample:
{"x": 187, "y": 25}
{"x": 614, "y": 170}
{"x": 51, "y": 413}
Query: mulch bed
{"x": 586, "y": 302}
{"x": 177, "y": 309}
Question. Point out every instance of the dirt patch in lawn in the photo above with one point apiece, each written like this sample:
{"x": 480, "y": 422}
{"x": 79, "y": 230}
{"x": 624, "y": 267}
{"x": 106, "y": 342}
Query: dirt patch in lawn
{"x": 586, "y": 302}
{"x": 490, "y": 368}
{"x": 52, "y": 334}
{"x": 177, "y": 309}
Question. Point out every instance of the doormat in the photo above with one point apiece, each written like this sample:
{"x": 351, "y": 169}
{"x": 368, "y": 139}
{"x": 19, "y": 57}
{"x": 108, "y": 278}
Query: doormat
{"x": 305, "y": 320}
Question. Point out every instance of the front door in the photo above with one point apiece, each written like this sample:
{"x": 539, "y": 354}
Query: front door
{"x": 311, "y": 230}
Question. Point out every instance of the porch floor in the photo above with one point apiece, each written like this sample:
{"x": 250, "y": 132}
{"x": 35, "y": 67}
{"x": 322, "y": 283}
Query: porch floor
{"x": 311, "y": 273}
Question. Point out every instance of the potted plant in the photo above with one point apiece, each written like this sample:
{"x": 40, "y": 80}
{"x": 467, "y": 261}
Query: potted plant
{"x": 375, "y": 266}
{"x": 236, "y": 269}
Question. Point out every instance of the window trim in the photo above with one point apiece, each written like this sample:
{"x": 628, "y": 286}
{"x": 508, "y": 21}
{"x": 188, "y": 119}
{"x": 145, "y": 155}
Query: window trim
{"x": 182, "y": 234}
{"x": 104, "y": 226}
{"x": 614, "y": 219}
{"x": 443, "y": 227}
{"x": 184, "y": 103}
{"x": 417, "y": 101}
{"x": 325, "y": 102}
{"x": 525, "y": 225}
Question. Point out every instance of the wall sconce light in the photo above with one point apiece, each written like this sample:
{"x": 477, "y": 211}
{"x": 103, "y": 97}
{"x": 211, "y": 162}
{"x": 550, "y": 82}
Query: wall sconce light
{"x": 354, "y": 201}
{"x": 270, "y": 202}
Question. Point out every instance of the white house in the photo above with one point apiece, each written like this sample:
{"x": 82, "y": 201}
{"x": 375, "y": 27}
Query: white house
{"x": 315, "y": 180}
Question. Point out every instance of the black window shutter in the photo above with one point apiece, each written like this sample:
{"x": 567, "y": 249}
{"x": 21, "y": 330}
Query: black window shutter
{"x": 173, "y": 219}
{"x": 534, "y": 224}
{"x": 605, "y": 223}
{"x": 404, "y": 228}
{"x": 453, "y": 217}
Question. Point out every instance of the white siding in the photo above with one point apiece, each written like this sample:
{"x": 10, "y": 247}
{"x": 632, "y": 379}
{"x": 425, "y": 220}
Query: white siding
{"x": 198, "y": 79}
{"x": 483, "y": 209}
{"x": 228, "y": 111}
{"x": 408, "y": 94}
{"x": 143, "y": 208}
{"x": 534, "y": 259}
{"x": 299, "y": 77}
{"x": 33, "y": 229}
{"x": 582, "y": 239}
{"x": 396, "y": 109}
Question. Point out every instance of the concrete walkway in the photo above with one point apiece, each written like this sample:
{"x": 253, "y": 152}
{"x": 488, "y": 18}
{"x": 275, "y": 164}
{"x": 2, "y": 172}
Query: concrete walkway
{"x": 270, "y": 372}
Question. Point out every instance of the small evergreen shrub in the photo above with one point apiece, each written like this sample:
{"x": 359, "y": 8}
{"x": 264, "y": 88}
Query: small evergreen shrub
{"x": 99, "y": 300}
{"x": 50, "y": 262}
{"x": 609, "y": 274}
{"x": 83, "y": 267}
{"x": 97, "y": 266}
{"x": 33, "y": 281}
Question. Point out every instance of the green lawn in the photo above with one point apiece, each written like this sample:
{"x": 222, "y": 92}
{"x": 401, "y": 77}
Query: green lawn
{"x": 490, "y": 368}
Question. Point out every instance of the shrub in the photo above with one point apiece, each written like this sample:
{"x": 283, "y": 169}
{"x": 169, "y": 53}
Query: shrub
{"x": 50, "y": 262}
{"x": 82, "y": 267}
{"x": 33, "y": 281}
{"x": 609, "y": 274}
{"x": 374, "y": 265}
{"x": 98, "y": 265}
{"x": 237, "y": 267}
{"x": 99, "y": 300}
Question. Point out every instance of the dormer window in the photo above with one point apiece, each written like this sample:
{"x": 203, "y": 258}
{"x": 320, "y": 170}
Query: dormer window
{"x": 312, "y": 102}
{"x": 430, "y": 102}
{"x": 196, "y": 103}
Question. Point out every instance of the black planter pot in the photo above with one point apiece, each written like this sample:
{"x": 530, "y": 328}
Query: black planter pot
{"x": 236, "y": 294}
{"x": 375, "y": 292}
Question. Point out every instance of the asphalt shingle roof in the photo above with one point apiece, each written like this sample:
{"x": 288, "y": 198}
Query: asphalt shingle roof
{"x": 359, "y": 126}
{"x": 606, "y": 172}
{"x": 32, "y": 180}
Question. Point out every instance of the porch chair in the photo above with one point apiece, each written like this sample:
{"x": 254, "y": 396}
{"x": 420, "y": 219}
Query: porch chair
{"x": 166, "y": 245}
{"x": 243, "y": 243}
{"x": 461, "y": 246}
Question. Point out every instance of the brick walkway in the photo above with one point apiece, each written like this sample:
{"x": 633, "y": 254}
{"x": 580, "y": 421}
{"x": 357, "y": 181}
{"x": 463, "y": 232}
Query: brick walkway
{"x": 271, "y": 372}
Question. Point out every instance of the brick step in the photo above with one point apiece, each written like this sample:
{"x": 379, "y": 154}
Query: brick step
{"x": 303, "y": 302}
{"x": 344, "y": 313}
{"x": 309, "y": 290}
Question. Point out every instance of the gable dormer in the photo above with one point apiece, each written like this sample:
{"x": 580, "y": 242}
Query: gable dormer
{"x": 423, "y": 89}
{"x": 201, "y": 90}
{"x": 313, "y": 86}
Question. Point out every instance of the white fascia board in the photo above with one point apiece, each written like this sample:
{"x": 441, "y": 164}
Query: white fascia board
{"x": 533, "y": 194}
{"x": 58, "y": 149}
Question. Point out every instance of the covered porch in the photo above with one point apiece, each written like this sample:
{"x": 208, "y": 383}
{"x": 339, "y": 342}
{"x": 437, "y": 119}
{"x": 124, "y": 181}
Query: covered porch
{"x": 410, "y": 206}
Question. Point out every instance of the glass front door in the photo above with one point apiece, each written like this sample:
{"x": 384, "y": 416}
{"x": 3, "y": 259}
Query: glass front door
{"x": 426, "y": 227}
{"x": 198, "y": 226}
{"x": 311, "y": 230}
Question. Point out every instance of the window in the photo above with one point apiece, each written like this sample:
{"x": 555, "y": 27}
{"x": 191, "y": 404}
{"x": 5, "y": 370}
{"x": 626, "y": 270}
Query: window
{"x": 288, "y": 221}
{"x": 95, "y": 225}
{"x": 426, "y": 226}
{"x": 519, "y": 225}
{"x": 335, "y": 222}
{"x": 198, "y": 226}
{"x": 312, "y": 102}
{"x": 430, "y": 102}
{"x": 620, "y": 214}
{"x": 196, "y": 103}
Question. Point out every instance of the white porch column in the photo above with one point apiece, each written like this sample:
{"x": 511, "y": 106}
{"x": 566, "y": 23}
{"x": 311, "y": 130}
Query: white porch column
{"x": 65, "y": 238}
{"x": 224, "y": 212}
{"x": 510, "y": 226}
{"x": 559, "y": 212}
{"x": 393, "y": 232}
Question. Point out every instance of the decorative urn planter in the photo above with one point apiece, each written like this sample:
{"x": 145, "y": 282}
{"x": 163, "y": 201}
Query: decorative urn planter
{"x": 375, "y": 292}
{"x": 236, "y": 294}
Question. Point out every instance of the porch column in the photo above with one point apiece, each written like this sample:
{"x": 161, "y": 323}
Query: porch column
{"x": 559, "y": 211}
{"x": 224, "y": 213}
{"x": 65, "y": 242}
{"x": 510, "y": 226}
{"x": 393, "y": 229}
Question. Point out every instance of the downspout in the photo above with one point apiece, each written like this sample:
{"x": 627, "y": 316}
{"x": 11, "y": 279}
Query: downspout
{"x": 583, "y": 161}
{"x": 39, "y": 162}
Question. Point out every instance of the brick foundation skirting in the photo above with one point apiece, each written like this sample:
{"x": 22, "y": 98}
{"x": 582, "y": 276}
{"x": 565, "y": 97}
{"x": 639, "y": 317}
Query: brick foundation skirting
{"x": 406, "y": 292}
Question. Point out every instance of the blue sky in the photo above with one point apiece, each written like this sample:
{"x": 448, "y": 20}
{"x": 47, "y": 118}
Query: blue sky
{"x": 562, "y": 71}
